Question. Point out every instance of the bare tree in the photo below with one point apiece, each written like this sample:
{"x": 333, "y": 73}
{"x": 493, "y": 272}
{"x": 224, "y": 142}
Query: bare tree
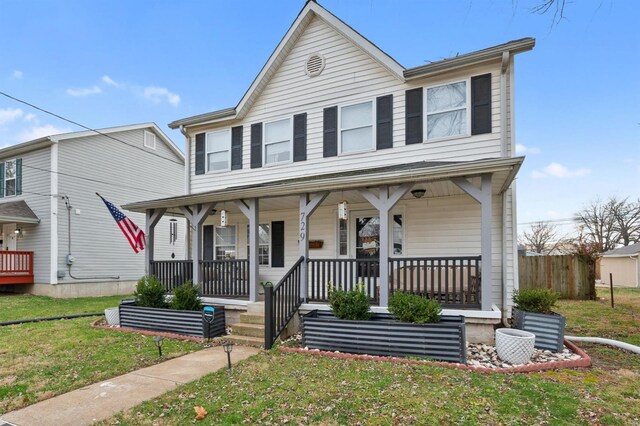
{"x": 551, "y": 6}
{"x": 612, "y": 222}
{"x": 542, "y": 238}
{"x": 627, "y": 217}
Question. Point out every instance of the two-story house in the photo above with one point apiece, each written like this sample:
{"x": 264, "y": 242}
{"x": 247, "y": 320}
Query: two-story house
{"x": 339, "y": 165}
{"x": 58, "y": 237}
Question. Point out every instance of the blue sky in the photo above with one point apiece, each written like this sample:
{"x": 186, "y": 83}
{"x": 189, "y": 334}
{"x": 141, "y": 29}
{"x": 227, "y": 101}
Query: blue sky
{"x": 108, "y": 63}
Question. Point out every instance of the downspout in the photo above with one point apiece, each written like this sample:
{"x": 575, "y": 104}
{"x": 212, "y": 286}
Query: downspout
{"x": 187, "y": 183}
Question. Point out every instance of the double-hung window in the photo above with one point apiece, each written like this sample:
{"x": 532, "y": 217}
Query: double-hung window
{"x": 447, "y": 110}
{"x": 218, "y": 150}
{"x": 225, "y": 242}
{"x": 10, "y": 178}
{"x": 356, "y": 127}
{"x": 263, "y": 244}
{"x": 277, "y": 141}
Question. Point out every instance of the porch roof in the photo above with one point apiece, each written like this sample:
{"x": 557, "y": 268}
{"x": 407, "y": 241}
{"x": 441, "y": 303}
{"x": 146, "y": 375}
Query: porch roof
{"x": 504, "y": 170}
{"x": 18, "y": 212}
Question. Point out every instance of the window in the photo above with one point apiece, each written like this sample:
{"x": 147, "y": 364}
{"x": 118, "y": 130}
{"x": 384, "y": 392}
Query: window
{"x": 225, "y": 242}
{"x": 173, "y": 231}
{"x": 263, "y": 244}
{"x": 218, "y": 150}
{"x": 398, "y": 235}
{"x": 10, "y": 178}
{"x": 277, "y": 141}
{"x": 149, "y": 140}
{"x": 343, "y": 237}
{"x": 447, "y": 110}
{"x": 356, "y": 127}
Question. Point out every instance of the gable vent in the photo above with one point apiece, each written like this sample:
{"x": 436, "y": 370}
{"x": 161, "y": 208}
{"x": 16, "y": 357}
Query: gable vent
{"x": 314, "y": 64}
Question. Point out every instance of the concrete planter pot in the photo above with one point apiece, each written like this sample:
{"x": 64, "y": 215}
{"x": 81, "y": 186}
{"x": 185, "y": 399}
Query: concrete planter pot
{"x": 548, "y": 328}
{"x": 514, "y": 346}
{"x": 112, "y": 316}
{"x": 384, "y": 336}
{"x": 189, "y": 323}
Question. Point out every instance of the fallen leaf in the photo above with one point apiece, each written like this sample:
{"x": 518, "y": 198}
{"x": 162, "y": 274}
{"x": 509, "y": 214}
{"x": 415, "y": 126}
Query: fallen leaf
{"x": 200, "y": 412}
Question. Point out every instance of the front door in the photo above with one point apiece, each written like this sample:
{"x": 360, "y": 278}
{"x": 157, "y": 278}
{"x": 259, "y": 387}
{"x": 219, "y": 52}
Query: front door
{"x": 9, "y": 241}
{"x": 367, "y": 248}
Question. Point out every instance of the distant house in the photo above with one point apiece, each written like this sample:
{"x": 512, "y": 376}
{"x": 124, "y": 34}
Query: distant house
{"x": 57, "y": 236}
{"x": 624, "y": 264}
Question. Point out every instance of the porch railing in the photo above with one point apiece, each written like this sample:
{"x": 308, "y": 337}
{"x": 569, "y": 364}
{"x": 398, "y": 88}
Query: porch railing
{"x": 172, "y": 273}
{"x": 454, "y": 281}
{"x": 16, "y": 267}
{"x": 281, "y": 303}
{"x": 343, "y": 274}
{"x": 225, "y": 278}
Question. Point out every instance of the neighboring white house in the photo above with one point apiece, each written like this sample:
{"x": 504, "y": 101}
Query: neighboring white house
{"x": 624, "y": 265}
{"x": 50, "y": 183}
{"x": 423, "y": 160}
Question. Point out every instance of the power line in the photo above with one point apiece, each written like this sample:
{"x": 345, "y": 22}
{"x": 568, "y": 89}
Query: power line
{"x": 88, "y": 128}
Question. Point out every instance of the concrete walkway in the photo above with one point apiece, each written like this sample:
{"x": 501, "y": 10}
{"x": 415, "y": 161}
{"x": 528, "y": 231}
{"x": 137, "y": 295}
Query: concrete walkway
{"x": 102, "y": 400}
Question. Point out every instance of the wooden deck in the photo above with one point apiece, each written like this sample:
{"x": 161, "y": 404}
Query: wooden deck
{"x": 16, "y": 267}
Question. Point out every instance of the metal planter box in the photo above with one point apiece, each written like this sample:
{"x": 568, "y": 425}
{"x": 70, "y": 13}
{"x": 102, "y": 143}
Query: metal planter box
{"x": 189, "y": 323}
{"x": 548, "y": 328}
{"x": 382, "y": 335}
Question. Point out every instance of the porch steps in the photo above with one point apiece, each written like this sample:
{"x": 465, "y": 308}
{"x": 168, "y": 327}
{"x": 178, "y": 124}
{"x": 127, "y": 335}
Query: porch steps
{"x": 250, "y": 330}
{"x": 251, "y": 319}
{"x": 256, "y": 342}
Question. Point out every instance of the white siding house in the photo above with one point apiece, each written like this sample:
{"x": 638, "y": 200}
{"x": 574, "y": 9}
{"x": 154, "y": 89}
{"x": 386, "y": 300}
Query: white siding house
{"x": 423, "y": 158}
{"x": 53, "y": 213}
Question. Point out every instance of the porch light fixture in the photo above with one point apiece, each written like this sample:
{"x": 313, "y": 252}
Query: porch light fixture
{"x": 418, "y": 193}
{"x": 18, "y": 232}
{"x": 223, "y": 218}
{"x": 158, "y": 340}
{"x": 343, "y": 210}
{"x": 228, "y": 347}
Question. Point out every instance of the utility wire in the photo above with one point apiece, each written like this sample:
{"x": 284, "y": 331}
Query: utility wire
{"x": 87, "y": 128}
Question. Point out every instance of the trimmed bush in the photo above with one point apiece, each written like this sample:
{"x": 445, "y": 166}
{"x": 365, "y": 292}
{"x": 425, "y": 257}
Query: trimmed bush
{"x": 350, "y": 305}
{"x": 186, "y": 298}
{"x": 150, "y": 293}
{"x": 407, "y": 307}
{"x": 535, "y": 300}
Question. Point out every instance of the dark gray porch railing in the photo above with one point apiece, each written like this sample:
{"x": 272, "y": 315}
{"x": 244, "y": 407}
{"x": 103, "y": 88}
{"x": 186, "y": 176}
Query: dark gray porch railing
{"x": 172, "y": 273}
{"x": 281, "y": 303}
{"x": 454, "y": 281}
{"x": 343, "y": 274}
{"x": 225, "y": 278}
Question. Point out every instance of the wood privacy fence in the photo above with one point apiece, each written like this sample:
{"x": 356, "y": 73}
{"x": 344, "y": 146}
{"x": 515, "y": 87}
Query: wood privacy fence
{"x": 573, "y": 276}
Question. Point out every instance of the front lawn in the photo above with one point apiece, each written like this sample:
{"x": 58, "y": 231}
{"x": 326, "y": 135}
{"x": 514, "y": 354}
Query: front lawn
{"x": 27, "y": 307}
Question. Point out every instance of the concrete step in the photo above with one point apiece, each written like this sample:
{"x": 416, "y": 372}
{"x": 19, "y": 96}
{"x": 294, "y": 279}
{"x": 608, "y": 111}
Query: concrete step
{"x": 251, "y": 330}
{"x": 252, "y": 319}
{"x": 256, "y": 308}
{"x": 256, "y": 342}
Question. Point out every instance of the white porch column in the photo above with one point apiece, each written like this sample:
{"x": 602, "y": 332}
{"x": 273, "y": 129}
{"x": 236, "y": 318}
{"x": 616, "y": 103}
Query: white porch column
{"x": 483, "y": 196}
{"x": 251, "y": 209}
{"x": 196, "y": 215}
{"x": 307, "y": 207}
{"x": 384, "y": 202}
{"x": 152, "y": 218}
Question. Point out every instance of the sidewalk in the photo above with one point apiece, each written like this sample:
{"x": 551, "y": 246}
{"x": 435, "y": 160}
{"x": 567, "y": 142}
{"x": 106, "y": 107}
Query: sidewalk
{"x": 104, "y": 399}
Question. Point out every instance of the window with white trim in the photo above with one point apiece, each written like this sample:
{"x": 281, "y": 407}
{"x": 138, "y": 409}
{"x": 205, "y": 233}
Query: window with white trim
{"x": 224, "y": 240}
{"x": 264, "y": 241}
{"x": 447, "y": 108}
{"x": 277, "y": 141}
{"x": 356, "y": 127}
{"x": 218, "y": 150}
{"x": 10, "y": 178}
{"x": 149, "y": 139}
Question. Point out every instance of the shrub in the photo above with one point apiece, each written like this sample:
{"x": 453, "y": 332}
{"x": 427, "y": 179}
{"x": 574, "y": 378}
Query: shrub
{"x": 150, "y": 293}
{"x": 186, "y": 298}
{"x": 407, "y": 307}
{"x": 350, "y": 305}
{"x": 536, "y": 300}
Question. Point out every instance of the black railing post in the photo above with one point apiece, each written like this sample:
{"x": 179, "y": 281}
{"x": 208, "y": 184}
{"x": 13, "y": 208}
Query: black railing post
{"x": 269, "y": 325}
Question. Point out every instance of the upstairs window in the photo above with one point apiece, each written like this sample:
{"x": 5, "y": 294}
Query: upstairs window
{"x": 218, "y": 150}
{"x": 10, "y": 178}
{"x": 447, "y": 110}
{"x": 149, "y": 140}
{"x": 356, "y": 127}
{"x": 277, "y": 141}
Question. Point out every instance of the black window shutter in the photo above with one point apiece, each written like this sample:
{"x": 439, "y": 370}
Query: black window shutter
{"x": 19, "y": 176}
{"x": 413, "y": 116}
{"x": 256, "y": 145}
{"x": 277, "y": 244}
{"x": 330, "y": 132}
{"x": 300, "y": 137}
{"x": 1, "y": 180}
{"x": 384, "y": 122}
{"x": 236, "y": 148}
{"x": 200, "y": 153}
{"x": 207, "y": 242}
{"x": 481, "y": 104}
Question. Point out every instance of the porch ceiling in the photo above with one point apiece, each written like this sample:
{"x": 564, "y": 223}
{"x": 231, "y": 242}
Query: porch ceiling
{"x": 432, "y": 176}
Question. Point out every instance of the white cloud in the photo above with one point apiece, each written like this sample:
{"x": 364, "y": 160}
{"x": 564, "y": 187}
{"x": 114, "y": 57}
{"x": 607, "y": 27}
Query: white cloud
{"x": 108, "y": 80}
{"x": 8, "y": 115}
{"x": 17, "y": 75}
{"x": 87, "y": 91}
{"x": 158, "y": 94}
{"x": 40, "y": 131}
{"x": 30, "y": 117}
{"x": 522, "y": 149}
{"x": 559, "y": 171}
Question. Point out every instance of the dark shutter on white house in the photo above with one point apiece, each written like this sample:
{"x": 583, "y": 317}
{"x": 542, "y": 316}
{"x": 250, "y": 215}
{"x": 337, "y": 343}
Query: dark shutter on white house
{"x": 1, "y": 180}
{"x": 207, "y": 242}
{"x": 481, "y": 104}
{"x": 300, "y": 137}
{"x": 256, "y": 145}
{"x": 19, "y": 176}
{"x": 200, "y": 153}
{"x": 330, "y": 132}
{"x": 236, "y": 148}
{"x": 384, "y": 122}
{"x": 277, "y": 244}
{"x": 413, "y": 116}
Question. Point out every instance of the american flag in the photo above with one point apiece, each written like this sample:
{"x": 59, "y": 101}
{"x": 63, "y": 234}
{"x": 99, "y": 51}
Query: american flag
{"x": 134, "y": 235}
